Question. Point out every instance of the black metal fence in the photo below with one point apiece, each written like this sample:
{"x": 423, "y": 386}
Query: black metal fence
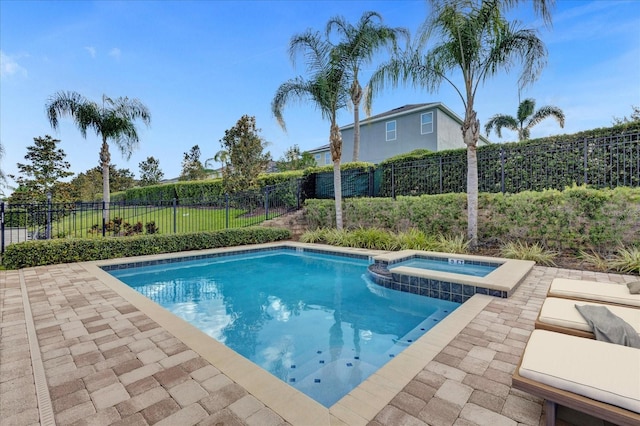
{"x": 23, "y": 222}
{"x": 606, "y": 162}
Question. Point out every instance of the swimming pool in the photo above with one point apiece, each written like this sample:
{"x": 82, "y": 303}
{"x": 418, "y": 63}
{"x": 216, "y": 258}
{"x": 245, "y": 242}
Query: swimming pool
{"x": 313, "y": 320}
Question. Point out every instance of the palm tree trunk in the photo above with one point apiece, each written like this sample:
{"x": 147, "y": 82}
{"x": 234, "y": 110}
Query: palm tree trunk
{"x": 356, "y": 97}
{"x": 356, "y": 132}
{"x": 105, "y": 159}
{"x": 335, "y": 143}
{"x": 470, "y": 135}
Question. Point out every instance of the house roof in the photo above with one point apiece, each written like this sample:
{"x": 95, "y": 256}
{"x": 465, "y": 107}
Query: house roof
{"x": 399, "y": 110}
{"x": 319, "y": 149}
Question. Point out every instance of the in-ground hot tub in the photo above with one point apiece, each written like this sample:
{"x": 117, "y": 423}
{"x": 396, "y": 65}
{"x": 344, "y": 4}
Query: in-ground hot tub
{"x": 454, "y": 277}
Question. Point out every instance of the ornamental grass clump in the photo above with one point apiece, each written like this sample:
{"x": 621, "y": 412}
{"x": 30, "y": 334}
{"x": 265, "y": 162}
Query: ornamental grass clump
{"x": 595, "y": 260}
{"x": 452, "y": 244}
{"x": 370, "y": 238}
{"x": 524, "y": 251}
{"x": 627, "y": 260}
{"x": 415, "y": 239}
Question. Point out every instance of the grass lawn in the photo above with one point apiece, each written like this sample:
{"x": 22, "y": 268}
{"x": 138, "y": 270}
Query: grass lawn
{"x": 185, "y": 219}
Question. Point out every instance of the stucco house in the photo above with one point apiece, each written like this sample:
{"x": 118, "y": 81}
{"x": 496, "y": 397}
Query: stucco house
{"x": 430, "y": 126}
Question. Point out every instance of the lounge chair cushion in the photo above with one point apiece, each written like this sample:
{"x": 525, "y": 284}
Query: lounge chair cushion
{"x": 598, "y": 370}
{"x": 608, "y": 327}
{"x": 592, "y": 290}
{"x": 634, "y": 287}
{"x": 562, "y": 313}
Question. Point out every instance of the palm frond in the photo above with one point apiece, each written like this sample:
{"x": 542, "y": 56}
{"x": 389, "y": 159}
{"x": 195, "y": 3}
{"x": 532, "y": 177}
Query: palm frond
{"x": 500, "y": 121}
{"x": 526, "y": 109}
{"x": 546, "y": 112}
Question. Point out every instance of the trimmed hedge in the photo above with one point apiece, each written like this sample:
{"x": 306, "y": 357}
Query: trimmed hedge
{"x": 35, "y": 253}
{"x": 573, "y": 219}
{"x": 203, "y": 190}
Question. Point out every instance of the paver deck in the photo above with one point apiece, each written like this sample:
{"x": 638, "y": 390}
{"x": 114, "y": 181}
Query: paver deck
{"x": 104, "y": 362}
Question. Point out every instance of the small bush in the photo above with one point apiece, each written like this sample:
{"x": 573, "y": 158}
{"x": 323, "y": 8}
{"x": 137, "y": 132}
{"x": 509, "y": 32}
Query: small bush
{"x": 524, "y": 251}
{"x": 34, "y": 253}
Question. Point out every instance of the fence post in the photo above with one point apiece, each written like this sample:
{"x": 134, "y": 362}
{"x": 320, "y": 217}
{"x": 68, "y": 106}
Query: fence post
{"x": 586, "y": 177}
{"x": 393, "y": 182}
{"x": 371, "y": 182}
{"x": 48, "y": 228}
{"x": 104, "y": 220}
{"x": 226, "y": 199}
{"x": 266, "y": 203}
{"x": 502, "y": 188}
{"x": 2, "y": 227}
{"x": 440, "y": 173}
{"x": 175, "y": 215}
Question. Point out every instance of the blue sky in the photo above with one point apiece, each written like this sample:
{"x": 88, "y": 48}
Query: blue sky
{"x": 199, "y": 66}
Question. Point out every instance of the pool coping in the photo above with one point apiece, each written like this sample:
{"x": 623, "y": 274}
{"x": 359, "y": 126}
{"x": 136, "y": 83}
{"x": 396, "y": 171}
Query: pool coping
{"x": 358, "y": 407}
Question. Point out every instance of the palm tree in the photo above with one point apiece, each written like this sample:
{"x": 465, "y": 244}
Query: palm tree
{"x": 113, "y": 121}
{"x": 475, "y": 39}
{"x": 221, "y": 157}
{"x": 326, "y": 87}
{"x": 358, "y": 46}
{"x": 526, "y": 118}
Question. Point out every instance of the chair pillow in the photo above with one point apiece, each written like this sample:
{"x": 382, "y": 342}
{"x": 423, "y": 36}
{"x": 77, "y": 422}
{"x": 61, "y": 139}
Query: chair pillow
{"x": 608, "y": 327}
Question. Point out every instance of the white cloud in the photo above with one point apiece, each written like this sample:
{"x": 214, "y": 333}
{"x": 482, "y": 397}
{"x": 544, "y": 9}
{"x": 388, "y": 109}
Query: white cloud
{"x": 9, "y": 66}
{"x": 92, "y": 51}
{"x": 115, "y": 53}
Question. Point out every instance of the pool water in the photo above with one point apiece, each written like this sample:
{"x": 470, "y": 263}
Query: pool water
{"x": 455, "y": 266}
{"x": 314, "y": 320}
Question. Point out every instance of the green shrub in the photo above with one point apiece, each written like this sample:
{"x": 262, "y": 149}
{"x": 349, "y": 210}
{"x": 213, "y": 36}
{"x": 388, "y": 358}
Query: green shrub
{"x": 34, "y": 253}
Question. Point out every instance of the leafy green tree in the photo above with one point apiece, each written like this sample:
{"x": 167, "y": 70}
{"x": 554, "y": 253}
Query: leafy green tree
{"x": 358, "y": 44}
{"x": 246, "y": 156}
{"x": 526, "y": 117}
{"x": 87, "y": 186}
{"x": 474, "y": 39}
{"x": 113, "y": 121}
{"x": 293, "y": 159}
{"x": 45, "y": 166}
{"x": 150, "y": 173}
{"x": 192, "y": 168}
{"x": 327, "y": 87}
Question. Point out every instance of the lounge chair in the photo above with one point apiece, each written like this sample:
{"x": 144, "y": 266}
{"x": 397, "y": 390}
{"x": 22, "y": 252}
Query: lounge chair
{"x": 561, "y": 315}
{"x": 611, "y": 293}
{"x": 597, "y": 378}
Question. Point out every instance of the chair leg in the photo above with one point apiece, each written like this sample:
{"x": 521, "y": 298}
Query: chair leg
{"x": 550, "y": 411}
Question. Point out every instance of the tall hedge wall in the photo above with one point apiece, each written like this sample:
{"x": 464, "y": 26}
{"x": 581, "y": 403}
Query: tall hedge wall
{"x": 576, "y": 218}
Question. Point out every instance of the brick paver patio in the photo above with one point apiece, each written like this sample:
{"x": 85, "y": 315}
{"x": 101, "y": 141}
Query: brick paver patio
{"x": 105, "y": 362}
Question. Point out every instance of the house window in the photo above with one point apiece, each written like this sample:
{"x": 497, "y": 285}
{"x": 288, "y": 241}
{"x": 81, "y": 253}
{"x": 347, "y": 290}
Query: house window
{"x": 318, "y": 157}
{"x": 426, "y": 123}
{"x": 391, "y": 130}
{"x": 327, "y": 158}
